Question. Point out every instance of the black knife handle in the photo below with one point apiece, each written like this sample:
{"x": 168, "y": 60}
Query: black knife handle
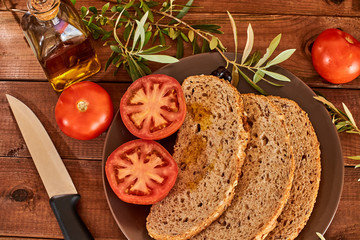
{"x": 71, "y": 225}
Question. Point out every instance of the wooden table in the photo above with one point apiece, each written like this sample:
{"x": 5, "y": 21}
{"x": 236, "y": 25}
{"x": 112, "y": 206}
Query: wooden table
{"x": 24, "y": 209}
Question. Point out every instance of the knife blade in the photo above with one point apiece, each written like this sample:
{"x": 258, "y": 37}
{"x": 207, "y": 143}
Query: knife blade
{"x": 53, "y": 173}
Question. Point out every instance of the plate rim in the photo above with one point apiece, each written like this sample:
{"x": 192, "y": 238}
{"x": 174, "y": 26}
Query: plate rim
{"x": 189, "y": 58}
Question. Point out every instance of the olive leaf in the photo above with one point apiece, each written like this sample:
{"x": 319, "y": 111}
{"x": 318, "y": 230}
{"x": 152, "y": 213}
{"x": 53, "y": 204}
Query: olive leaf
{"x": 281, "y": 57}
{"x": 140, "y": 32}
{"x": 275, "y": 75}
{"x": 269, "y": 51}
{"x": 159, "y": 58}
{"x": 350, "y": 116}
{"x": 234, "y": 29}
{"x": 320, "y": 236}
{"x": 183, "y": 11}
{"x": 249, "y": 44}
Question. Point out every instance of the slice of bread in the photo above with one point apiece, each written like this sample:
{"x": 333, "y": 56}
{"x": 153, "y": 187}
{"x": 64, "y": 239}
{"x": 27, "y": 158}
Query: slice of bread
{"x": 265, "y": 180}
{"x": 209, "y": 150}
{"x": 306, "y": 182}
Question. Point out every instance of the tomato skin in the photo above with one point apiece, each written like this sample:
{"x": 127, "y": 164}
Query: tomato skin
{"x": 84, "y": 124}
{"x": 139, "y": 164}
{"x": 336, "y": 56}
{"x": 160, "y": 107}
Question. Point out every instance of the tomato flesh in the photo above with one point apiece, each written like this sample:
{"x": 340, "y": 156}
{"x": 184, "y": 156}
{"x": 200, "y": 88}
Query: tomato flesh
{"x": 141, "y": 172}
{"x": 153, "y": 107}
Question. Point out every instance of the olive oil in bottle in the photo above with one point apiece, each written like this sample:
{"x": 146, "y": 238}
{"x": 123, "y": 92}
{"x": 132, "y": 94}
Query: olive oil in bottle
{"x": 60, "y": 42}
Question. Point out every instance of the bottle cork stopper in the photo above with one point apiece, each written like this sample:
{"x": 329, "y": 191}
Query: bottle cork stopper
{"x": 44, "y": 9}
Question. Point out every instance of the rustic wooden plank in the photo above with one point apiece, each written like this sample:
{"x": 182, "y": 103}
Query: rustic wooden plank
{"x": 351, "y": 98}
{"x": 43, "y": 105}
{"x": 294, "y": 7}
{"x": 346, "y": 224}
{"x": 24, "y": 202}
{"x": 297, "y": 32}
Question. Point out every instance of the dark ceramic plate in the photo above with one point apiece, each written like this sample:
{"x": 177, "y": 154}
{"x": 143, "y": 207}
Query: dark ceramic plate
{"x": 131, "y": 218}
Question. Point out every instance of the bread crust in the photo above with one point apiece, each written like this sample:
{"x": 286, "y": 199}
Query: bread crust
{"x": 307, "y": 171}
{"x": 235, "y": 221}
{"x": 198, "y": 128}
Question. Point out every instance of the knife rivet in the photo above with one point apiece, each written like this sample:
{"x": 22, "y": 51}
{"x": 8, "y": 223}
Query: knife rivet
{"x": 21, "y": 195}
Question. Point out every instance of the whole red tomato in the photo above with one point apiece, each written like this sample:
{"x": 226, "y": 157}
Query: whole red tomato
{"x": 336, "y": 56}
{"x": 84, "y": 110}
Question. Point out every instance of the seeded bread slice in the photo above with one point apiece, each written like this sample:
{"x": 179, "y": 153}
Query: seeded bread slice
{"x": 209, "y": 150}
{"x": 266, "y": 176}
{"x": 307, "y": 171}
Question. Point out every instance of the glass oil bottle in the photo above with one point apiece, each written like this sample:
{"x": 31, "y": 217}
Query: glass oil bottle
{"x": 60, "y": 42}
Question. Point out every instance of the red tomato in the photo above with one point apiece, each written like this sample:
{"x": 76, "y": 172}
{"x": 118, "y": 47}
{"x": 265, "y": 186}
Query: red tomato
{"x": 153, "y": 107}
{"x": 336, "y": 56}
{"x": 84, "y": 110}
{"x": 141, "y": 172}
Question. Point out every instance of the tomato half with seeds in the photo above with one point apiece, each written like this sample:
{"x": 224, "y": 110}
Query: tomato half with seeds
{"x": 141, "y": 172}
{"x": 153, "y": 107}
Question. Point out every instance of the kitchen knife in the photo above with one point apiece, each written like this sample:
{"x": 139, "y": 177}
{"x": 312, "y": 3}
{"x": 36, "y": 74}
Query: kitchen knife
{"x": 58, "y": 184}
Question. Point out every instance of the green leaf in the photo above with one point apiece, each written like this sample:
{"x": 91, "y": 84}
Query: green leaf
{"x": 195, "y": 46}
{"x": 234, "y": 29}
{"x": 269, "y": 51}
{"x": 155, "y": 49}
{"x": 115, "y": 48}
{"x": 108, "y": 62}
{"x": 276, "y": 76}
{"x": 147, "y": 37}
{"x": 205, "y": 46}
{"x": 105, "y": 8}
{"x": 179, "y": 48}
{"x": 213, "y": 43}
{"x": 145, "y": 68}
{"x": 93, "y": 10}
{"x": 73, "y": 2}
{"x": 191, "y": 35}
{"x": 183, "y": 12}
{"x": 146, "y": 8}
{"x": 349, "y": 115}
{"x": 83, "y": 11}
{"x": 235, "y": 76}
{"x": 249, "y": 44}
{"x": 211, "y": 28}
{"x": 162, "y": 38}
{"x": 320, "y": 236}
{"x": 159, "y": 58}
{"x": 281, "y": 57}
{"x": 140, "y": 32}
{"x": 258, "y": 76}
{"x": 183, "y": 36}
{"x": 354, "y": 157}
{"x": 106, "y": 36}
{"x": 135, "y": 71}
{"x": 251, "y": 83}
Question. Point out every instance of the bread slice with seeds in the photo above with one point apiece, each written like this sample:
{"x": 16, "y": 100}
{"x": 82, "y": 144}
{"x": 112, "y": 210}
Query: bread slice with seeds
{"x": 307, "y": 171}
{"x": 266, "y": 176}
{"x": 209, "y": 150}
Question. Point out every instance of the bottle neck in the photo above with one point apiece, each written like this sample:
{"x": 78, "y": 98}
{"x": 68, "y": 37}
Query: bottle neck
{"x": 43, "y": 10}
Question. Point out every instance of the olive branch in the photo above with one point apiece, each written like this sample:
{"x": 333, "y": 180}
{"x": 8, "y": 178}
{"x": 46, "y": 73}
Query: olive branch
{"x": 140, "y": 22}
{"x": 343, "y": 121}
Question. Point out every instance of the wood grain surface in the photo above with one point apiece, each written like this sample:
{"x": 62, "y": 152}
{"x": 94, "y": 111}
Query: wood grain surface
{"x": 24, "y": 206}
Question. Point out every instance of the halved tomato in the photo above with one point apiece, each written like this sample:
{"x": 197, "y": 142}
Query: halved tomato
{"x": 153, "y": 107}
{"x": 141, "y": 172}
